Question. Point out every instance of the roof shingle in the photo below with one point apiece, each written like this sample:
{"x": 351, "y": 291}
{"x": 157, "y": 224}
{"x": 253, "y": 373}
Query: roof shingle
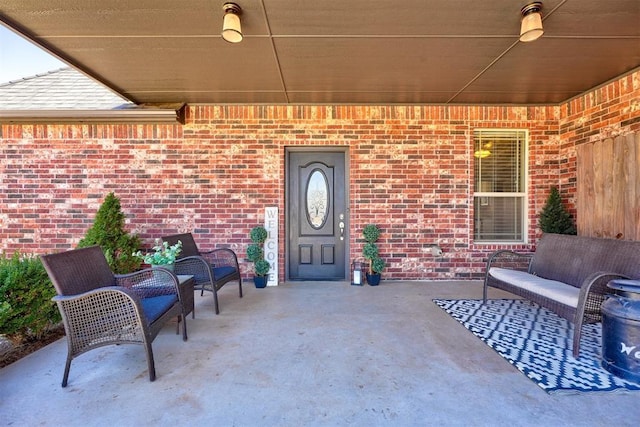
{"x": 62, "y": 89}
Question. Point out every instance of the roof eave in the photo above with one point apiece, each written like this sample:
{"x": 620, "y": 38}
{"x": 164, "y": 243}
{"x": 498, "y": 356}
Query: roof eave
{"x": 127, "y": 115}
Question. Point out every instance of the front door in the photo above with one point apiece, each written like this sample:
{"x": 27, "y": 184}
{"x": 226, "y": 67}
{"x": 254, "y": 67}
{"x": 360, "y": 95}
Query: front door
{"x": 317, "y": 215}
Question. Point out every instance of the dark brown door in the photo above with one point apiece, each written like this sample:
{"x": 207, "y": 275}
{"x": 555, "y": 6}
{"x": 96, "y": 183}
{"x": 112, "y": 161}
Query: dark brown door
{"x": 317, "y": 215}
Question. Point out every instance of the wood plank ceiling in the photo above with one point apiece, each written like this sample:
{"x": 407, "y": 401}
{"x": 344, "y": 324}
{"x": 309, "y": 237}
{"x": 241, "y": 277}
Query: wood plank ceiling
{"x": 337, "y": 52}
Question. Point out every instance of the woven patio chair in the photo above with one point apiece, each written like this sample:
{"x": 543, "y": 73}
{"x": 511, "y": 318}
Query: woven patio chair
{"x": 211, "y": 270}
{"x": 99, "y": 308}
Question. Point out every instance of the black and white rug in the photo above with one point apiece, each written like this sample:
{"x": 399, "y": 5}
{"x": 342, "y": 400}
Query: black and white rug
{"x": 538, "y": 343}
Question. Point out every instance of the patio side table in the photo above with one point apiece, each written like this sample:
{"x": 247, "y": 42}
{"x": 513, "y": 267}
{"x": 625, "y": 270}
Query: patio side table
{"x": 186, "y": 284}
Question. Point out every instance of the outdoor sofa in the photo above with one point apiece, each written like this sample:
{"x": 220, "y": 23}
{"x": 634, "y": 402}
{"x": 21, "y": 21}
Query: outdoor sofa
{"x": 565, "y": 274}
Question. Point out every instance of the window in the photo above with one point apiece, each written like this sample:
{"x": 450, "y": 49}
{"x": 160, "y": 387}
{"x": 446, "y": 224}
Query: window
{"x": 500, "y": 185}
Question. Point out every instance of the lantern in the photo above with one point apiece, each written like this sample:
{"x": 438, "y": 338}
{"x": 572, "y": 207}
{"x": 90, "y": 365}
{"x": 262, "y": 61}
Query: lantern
{"x": 357, "y": 268}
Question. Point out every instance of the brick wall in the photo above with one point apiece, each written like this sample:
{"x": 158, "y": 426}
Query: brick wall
{"x": 411, "y": 171}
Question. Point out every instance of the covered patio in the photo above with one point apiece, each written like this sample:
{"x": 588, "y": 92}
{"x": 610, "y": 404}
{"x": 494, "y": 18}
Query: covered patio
{"x": 403, "y": 93}
{"x": 312, "y": 354}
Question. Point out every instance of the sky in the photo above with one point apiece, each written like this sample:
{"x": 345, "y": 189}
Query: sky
{"x": 20, "y": 58}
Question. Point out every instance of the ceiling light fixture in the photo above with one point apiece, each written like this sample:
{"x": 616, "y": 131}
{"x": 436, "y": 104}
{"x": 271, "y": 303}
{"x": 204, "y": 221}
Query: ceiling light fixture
{"x": 531, "y": 27}
{"x": 231, "y": 29}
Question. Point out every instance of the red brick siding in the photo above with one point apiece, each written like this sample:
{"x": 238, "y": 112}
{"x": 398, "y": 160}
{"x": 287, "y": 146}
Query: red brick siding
{"x": 411, "y": 171}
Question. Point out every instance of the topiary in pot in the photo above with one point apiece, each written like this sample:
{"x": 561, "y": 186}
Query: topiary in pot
{"x": 109, "y": 233}
{"x": 370, "y": 251}
{"x": 255, "y": 254}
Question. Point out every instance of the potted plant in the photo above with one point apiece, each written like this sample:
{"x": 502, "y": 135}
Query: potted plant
{"x": 162, "y": 255}
{"x": 370, "y": 251}
{"x": 255, "y": 254}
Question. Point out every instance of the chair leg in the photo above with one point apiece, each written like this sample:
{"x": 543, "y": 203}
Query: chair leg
{"x": 215, "y": 300}
{"x": 577, "y": 333}
{"x": 184, "y": 327}
{"x": 240, "y": 286}
{"x": 150, "y": 364}
{"x": 182, "y": 318}
{"x": 67, "y": 367}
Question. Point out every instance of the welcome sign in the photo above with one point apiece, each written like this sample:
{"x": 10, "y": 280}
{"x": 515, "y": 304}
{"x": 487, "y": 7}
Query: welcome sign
{"x": 271, "y": 244}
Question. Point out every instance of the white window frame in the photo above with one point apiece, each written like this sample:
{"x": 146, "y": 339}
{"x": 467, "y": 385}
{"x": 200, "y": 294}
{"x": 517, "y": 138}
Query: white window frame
{"x": 525, "y": 185}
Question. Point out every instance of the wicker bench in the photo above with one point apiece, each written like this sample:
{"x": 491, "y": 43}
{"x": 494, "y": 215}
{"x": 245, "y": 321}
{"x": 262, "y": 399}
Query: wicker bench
{"x": 566, "y": 274}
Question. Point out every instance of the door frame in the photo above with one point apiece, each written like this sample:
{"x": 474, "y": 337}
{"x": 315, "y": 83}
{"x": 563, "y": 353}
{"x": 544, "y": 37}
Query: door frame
{"x": 309, "y": 149}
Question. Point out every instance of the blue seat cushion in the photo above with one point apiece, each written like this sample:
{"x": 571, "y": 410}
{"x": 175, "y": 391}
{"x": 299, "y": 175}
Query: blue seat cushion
{"x": 221, "y": 272}
{"x": 155, "y": 307}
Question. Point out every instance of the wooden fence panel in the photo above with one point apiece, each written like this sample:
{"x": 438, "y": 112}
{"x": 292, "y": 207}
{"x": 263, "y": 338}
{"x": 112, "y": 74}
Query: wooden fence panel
{"x": 585, "y": 189}
{"x": 618, "y": 188}
{"x": 608, "y": 188}
{"x": 631, "y": 186}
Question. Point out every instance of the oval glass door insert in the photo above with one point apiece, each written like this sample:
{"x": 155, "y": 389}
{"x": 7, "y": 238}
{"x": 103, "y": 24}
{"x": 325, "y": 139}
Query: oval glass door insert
{"x": 317, "y": 199}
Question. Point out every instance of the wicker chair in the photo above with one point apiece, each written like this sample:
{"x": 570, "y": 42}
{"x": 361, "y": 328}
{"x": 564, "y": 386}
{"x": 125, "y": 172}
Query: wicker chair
{"x": 211, "y": 270}
{"x": 99, "y": 308}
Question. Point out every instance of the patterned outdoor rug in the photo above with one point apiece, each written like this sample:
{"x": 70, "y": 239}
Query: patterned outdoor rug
{"x": 539, "y": 344}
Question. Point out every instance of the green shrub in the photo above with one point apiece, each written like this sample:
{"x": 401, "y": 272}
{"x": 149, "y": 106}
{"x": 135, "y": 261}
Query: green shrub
{"x": 26, "y": 308}
{"x": 554, "y": 218}
{"x": 108, "y": 232}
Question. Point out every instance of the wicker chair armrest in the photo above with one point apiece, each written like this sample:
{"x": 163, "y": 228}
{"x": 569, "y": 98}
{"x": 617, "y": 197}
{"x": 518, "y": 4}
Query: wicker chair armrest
{"x": 102, "y": 315}
{"x": 195, "y": 266}
{"x": 211, "y": 270}
{"x": 150, "y": 282}
{"x": 509, "y": 259}
{"x": 592, "y": 294}
{"x": 221, "y": 258}
{"x": 106, "y": 290}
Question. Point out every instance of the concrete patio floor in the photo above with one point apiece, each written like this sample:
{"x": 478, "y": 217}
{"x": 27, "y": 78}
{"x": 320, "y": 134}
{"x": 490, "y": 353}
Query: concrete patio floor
{"x": 303, "y": 354}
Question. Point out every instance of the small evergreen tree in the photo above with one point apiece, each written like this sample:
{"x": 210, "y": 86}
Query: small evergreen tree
{"x": 108, "y": 232}
{"x": 554, "y": 218}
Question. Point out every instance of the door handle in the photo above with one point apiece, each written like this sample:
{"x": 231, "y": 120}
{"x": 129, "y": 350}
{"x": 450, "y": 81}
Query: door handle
{"x": 341, "y": 225}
